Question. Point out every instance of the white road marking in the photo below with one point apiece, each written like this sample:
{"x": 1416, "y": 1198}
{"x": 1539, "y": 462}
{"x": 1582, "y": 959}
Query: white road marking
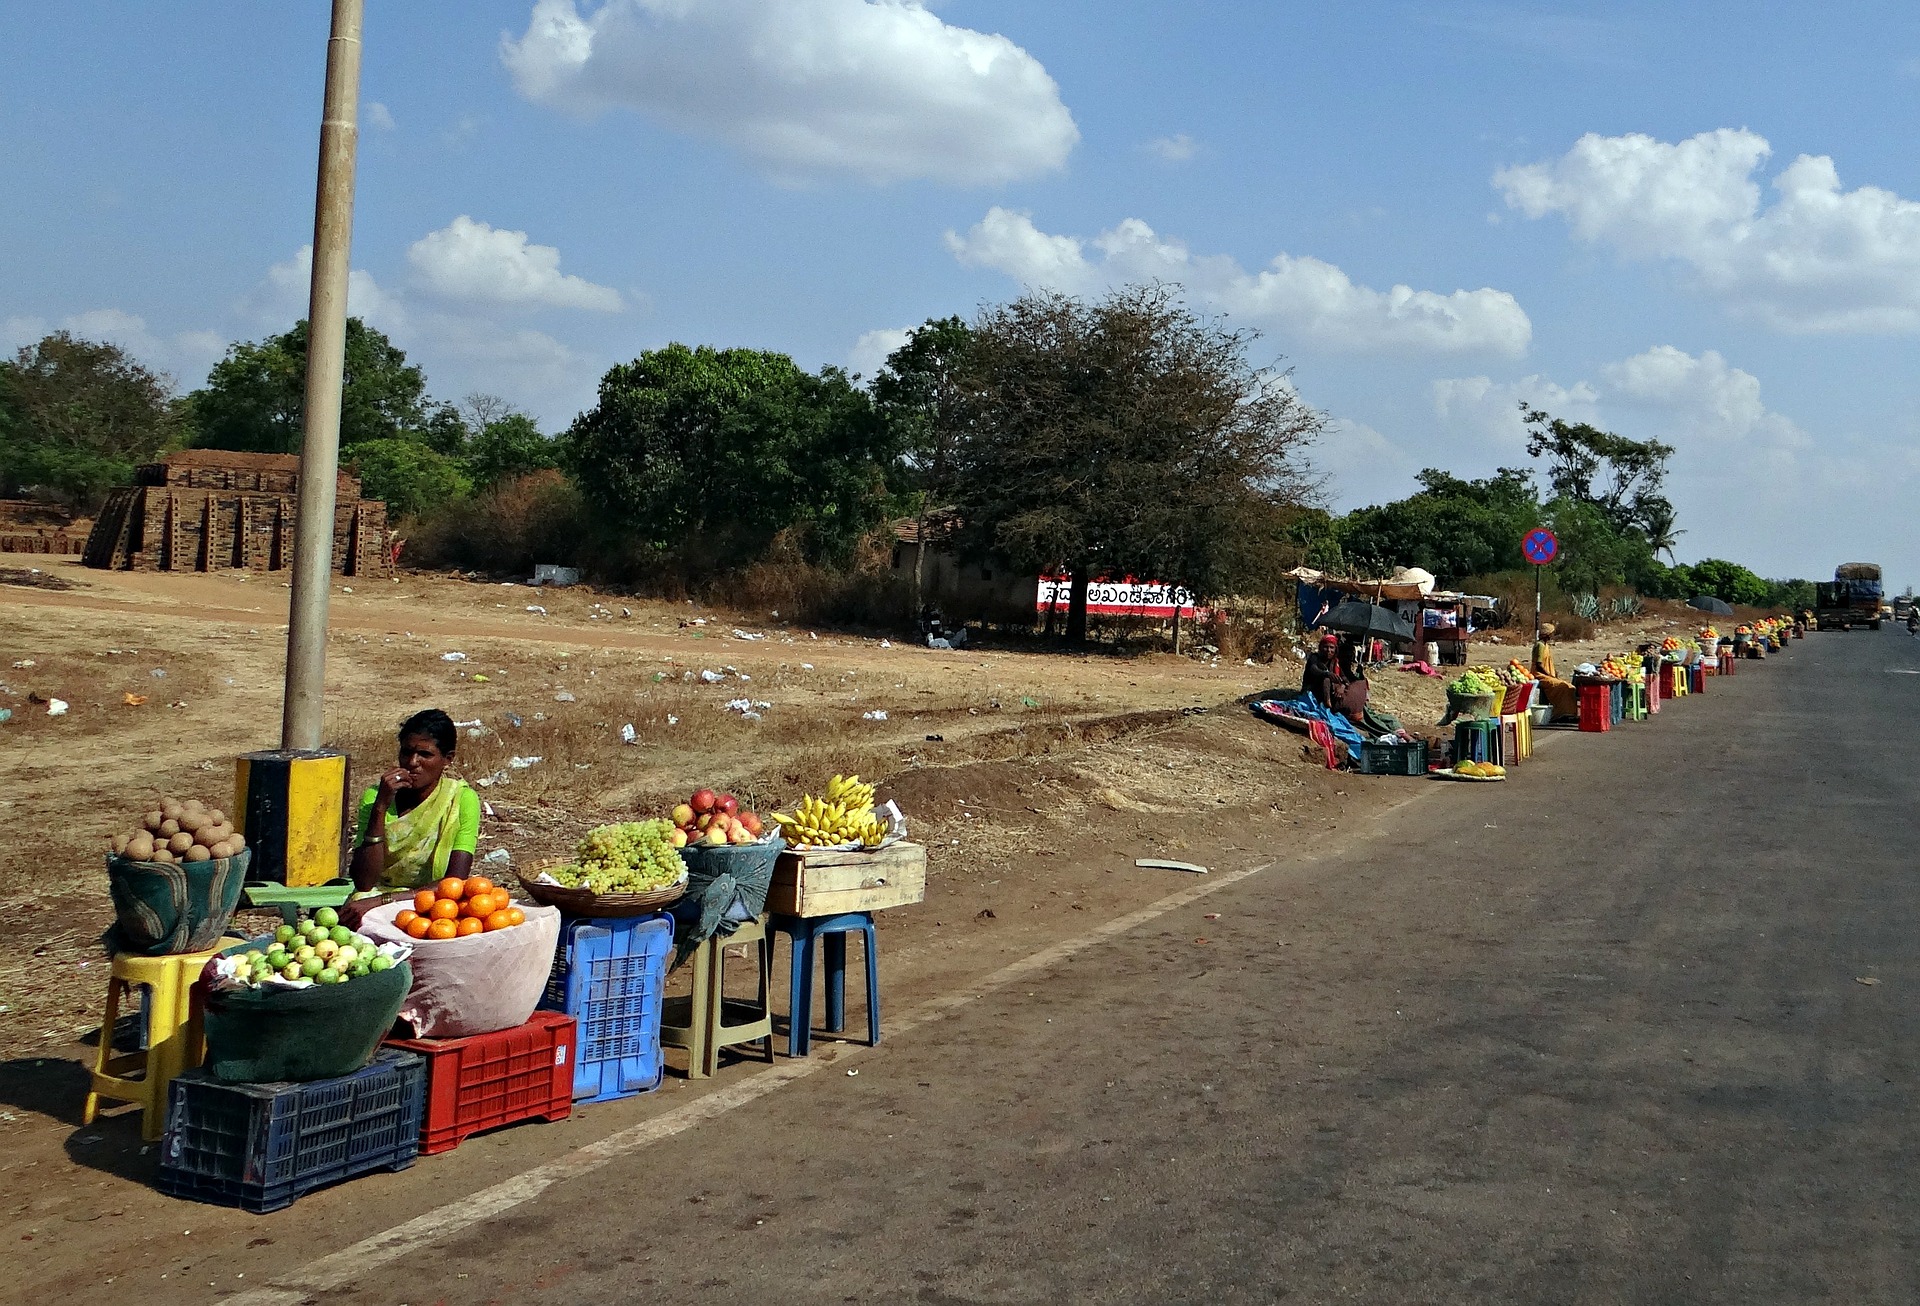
{"x": 333, "y": 1272}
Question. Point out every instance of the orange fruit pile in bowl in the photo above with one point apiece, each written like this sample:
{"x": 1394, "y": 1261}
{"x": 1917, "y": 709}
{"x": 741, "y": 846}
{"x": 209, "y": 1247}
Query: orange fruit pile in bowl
{"x": 455, "y": 908}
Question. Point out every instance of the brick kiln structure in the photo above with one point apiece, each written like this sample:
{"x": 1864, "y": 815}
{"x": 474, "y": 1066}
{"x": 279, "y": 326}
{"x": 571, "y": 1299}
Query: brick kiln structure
{"x": 29, "y": 527}
{"x": 211, "y": 510}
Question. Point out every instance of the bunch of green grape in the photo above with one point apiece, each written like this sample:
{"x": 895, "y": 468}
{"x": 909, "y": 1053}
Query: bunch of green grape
{"x": 629, "y": 857}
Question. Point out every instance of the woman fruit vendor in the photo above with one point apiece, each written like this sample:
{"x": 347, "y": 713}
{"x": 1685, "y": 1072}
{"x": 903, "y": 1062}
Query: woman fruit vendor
{"x": 418, "y": 824}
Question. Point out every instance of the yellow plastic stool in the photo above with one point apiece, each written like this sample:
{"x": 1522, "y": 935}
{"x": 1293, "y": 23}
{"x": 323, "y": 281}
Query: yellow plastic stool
{"x": 1522, "y": 732}
{"x": 175, "y": 1040}
{"x": 705, "y": 1029}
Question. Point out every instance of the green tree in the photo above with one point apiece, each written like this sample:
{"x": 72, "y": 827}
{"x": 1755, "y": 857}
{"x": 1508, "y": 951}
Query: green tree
{"x": 409, "y": 475}
{"x": 76, "y": 416}
{"x": 919, "y": 394}
{"x": 255, "y": 397}
{"x": 1730, "y": 581}
{"x": 1453, "y": 528}
{"x": 1622, "y": 478}
{"x": 707, "y": 454}
{"x": 501, "y": 441}
{"x": 1123, "y": 436}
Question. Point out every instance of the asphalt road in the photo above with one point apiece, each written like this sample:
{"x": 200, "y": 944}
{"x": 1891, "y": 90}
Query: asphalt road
{"x": 1594, "y": 1035}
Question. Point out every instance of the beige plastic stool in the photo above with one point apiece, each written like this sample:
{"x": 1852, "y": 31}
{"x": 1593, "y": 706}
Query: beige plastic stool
{"x": 175, "y": 1040}
{"x": 703, "y": 1027}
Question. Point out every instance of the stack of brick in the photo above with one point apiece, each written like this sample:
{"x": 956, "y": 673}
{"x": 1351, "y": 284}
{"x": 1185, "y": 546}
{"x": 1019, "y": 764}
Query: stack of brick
{"x": 29, "y": 527}
{"x": 211, "y": 510}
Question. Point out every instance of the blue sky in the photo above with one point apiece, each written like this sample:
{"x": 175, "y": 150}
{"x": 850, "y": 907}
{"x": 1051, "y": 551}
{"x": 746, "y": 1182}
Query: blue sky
{"x": 1693, "y": 222}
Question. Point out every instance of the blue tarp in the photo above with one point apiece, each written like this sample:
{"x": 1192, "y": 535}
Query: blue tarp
{"x": 1304, "y": 707}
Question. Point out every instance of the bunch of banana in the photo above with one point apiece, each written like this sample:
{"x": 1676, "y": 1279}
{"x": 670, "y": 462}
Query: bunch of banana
{"x": 818, "y": 823}
{"x": 847, "y": 789}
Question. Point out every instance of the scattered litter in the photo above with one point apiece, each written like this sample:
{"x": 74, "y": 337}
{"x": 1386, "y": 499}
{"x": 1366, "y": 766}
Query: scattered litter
{"x": 1867, "y": 980}
{"x": 134, "y": 700}
{"x": 205, "y": 766}
{"x": 6, "y": 714}
{"x": 1158, "y": 864}
{"x": 486, "y": 808}
{"x": 626, "y": 612}
{"x": 545, "y": 573}
{"x": 497, "y": 778}
{"x": 158, "y": 673}
{"x": 453, "y": 657}
{"x": 746, "y": 707}
{"x": 628, "y": 735}
{"x": 56, "y": 707}
{"x": 1211, "y": 916}
{"x": 178, "y": 702}
{"x": 536, "y": 608}
{"x": 539, "y": 716}
{"x": 468, "y": 725}
{"x": 482, "y": 679}
{"x": 23, "y": 664}
{"x": 852, "y": 1073}
{"x": 713, "y": 677}
{"x": 806, "y": 666}
{"x": 886, "y": 643}
{"x": 564, "y": 697}
{"x": 513, "y": 719}
{"x": 877, "y": 714}
{"x": 741, "y": 634}
{"x": 522, "y": 763}
{"x": 498, "y": 857}
{"x": 936, "y": 739}
{"x": 346, "y": 589}
{"x": 672, "y": 720}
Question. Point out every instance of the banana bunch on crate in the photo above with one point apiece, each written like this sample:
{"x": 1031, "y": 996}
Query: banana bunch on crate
{"x": 844, "y": 816}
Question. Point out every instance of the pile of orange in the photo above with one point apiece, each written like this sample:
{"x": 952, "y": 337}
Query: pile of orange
{"x": 455, "y": 908}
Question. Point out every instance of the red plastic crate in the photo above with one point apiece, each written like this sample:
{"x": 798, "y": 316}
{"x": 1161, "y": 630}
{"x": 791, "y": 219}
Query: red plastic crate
{"x": 1596, "y": 708}
{"x": 489, "y": 1080}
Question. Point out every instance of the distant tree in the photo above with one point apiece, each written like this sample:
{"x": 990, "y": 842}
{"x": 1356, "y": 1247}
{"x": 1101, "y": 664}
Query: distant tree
{"x": 76, "y": 416}
{"x": 1453, "y": 528}
{"x": 508, "y": 446}
{"x": 1730, "y": 581}
{"x": 411, "y": 476}
{"x": 1621, "y": 477}
{"x": 919, "y": 394}
{"x": 1123, "y": 436}
{"x": 1658, "y": 521}
{"x": 713, "y": 452}
{"x": 255, "y": 397}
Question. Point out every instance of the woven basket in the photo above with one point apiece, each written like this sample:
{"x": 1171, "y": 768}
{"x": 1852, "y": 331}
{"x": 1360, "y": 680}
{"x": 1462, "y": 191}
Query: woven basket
{"x": 585, "y": 902}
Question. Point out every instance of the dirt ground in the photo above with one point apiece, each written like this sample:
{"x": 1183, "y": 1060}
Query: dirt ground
{"x": 1011, "y": 765}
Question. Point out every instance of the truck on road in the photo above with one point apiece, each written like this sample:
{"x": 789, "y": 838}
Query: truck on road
{"x": 1852, "y": 598}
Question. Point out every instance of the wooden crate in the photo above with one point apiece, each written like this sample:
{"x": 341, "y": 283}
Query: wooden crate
{"x": 828, "y": 883}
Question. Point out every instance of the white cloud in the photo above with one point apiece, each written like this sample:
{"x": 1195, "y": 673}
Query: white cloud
{"x": 871, "y": 351}
{"x": 882, "y": 91}
{"x": 474, "y": 261}
{"x": 184, "y": 355}
{"x": 1307, "y": 299}
{"x": 1737, "y": 463}
{"x": 1177, "y": 148}
{"x": 282, "y": 297}
{"x": 378, "y": 116}
{"x": 1818, "y": 258}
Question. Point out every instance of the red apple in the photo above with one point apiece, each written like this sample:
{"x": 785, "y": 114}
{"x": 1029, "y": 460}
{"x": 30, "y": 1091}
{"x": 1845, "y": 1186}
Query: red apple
{"x": 703, "y": 800}
{"x": 678, "y": 838}
{"x": 727, "y": 803}
{"x": 739, "y": 835}
{"x": 713, "y": 838}
{"x": 752, "y": 821}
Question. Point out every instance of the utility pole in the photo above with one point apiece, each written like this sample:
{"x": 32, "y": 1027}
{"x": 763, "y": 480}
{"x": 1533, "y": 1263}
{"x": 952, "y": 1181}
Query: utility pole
{"x": 304, "y": 713}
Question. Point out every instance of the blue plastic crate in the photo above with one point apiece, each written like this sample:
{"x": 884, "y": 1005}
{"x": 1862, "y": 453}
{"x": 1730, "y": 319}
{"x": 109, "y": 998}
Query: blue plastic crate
{"x": 260, "y": 1146}
{"x": 610, "y": 976}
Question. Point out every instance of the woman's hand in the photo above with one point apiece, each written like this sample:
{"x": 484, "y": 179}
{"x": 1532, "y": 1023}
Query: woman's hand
{"x": 391, "y": 784}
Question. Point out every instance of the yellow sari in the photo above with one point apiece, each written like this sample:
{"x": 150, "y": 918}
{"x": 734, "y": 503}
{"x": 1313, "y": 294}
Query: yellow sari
{"x": 419, "y": 843}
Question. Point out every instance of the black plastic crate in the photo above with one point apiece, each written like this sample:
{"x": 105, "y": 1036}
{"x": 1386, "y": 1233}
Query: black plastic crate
{"x": 260, "y": 1146}
{"x": 1393, "y": 759}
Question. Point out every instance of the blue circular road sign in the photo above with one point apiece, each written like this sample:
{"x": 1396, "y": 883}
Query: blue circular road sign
{"x": 1541, "y": 546}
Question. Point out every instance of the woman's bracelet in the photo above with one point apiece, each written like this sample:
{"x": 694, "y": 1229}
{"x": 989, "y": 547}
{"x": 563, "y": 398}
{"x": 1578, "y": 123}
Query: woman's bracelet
{"x": 371, "y": 840}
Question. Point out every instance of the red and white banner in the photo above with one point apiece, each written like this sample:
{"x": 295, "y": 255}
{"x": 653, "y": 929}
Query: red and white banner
{"x": 1119, "y": 598}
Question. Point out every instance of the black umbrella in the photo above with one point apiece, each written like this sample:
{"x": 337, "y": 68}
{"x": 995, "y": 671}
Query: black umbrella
{"x": 1366, "y": 620}
{"x": 1708, "y": 603}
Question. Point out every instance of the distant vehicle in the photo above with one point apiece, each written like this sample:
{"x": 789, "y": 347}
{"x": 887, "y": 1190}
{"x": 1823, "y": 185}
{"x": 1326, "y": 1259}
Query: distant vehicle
{"x": 1852, "y": 598}
{"x": 1902, "y": 606}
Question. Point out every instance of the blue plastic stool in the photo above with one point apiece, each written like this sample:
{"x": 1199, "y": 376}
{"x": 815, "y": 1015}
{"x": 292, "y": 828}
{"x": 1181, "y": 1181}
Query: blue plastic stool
{"x": 832, "y": 931}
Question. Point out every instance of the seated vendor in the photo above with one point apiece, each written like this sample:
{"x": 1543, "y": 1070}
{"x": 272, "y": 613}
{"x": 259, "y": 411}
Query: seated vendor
{"x": 1316, "y": 681}
{"x": 418, "y": 824}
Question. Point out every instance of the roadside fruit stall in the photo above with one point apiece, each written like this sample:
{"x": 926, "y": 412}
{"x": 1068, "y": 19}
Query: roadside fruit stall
{"x": 352, "y": 1039}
